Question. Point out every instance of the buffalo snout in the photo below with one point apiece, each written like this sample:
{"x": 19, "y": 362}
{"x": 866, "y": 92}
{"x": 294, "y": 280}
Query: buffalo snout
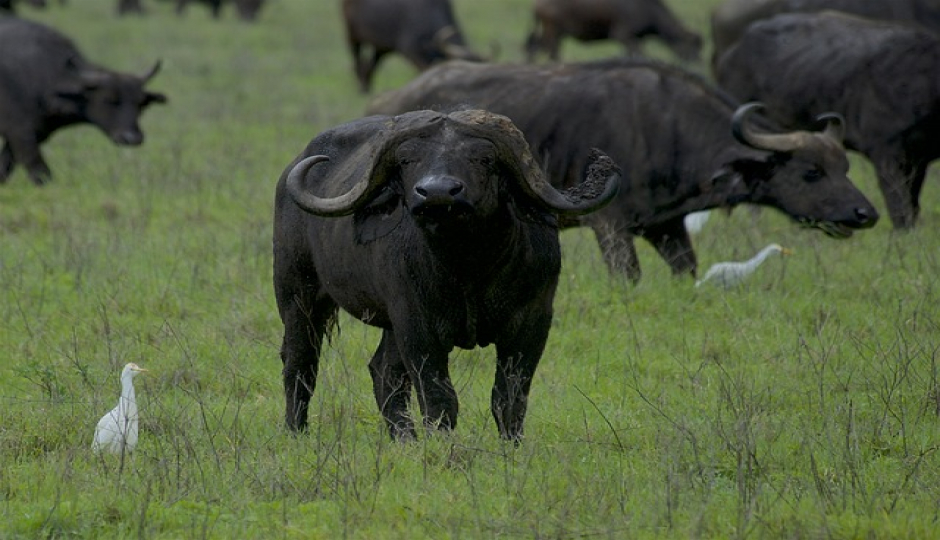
{"x": 130, "y": 137}
{"x": 439, "y": 190}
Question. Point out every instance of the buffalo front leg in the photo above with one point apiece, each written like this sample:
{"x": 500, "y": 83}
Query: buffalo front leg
{"x": 26, "y": 153}
{"x": 392, "y": 387}
{"x": 6, "y": 163}
{"x": 516, "y": 362}
{"x": 900, "y": 182}
{"x": 427, "y": 367}
{"x": 672, "y": 242}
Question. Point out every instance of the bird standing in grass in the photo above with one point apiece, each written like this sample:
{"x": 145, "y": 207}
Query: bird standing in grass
{"x": 729, "y": 274}
{"x": 116, "y": 432}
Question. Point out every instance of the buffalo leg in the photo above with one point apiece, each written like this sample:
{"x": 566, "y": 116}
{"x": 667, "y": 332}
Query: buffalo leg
{"x": 672, "y": 242}
{"x": 429, "y": 374}
{"x": 618, "y": 249}
{"x": 27, "y": 154}
{"x": 304, "y": 330}
{"x": 900, "y": 182}
{"x": 517, "y": 359}
{"x": 392, "y": 387}
{"x": 6, "y": 163}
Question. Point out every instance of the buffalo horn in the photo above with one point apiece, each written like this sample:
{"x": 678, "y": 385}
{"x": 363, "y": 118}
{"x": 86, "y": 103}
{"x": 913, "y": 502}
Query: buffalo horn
{"x": 782, "y": 142}
{"x": 536, "y": 186}
{"x": 341, "y": 205}
{"x": 451, "y": 49}
{"x": 835, "y": 125}
{"x": 153, "y": 71}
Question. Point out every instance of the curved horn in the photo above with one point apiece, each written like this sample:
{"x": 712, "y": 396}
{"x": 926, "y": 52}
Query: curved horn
{"x": 153, "y": 71}
{"x": 453, "y": 50}
{"x": 835, "y": 125}
{"x": 600, "y": 185}
{"x": 782, "y": 142}
{"x": 342, "y": 205}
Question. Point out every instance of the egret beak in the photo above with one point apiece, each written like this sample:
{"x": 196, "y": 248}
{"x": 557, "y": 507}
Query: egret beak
{"x": 786, "y": 251}
{"x": 139, "y": 369}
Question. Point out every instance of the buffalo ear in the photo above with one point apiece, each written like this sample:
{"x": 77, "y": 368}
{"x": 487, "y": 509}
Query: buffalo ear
{"x": 153, "y": 97}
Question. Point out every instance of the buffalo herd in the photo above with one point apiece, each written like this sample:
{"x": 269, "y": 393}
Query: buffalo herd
{"x": 435, "y": 216}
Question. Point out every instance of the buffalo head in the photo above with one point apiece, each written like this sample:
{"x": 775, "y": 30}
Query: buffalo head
{"x": 807, "y": 177}
{"x": 444, "y": 170}
{"x": 111, "y": 100}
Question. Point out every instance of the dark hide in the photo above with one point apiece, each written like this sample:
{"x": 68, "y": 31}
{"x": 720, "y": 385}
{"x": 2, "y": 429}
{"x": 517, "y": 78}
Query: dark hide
{"x": 445, "y": 249}
{"x": 670, "y": 131}
{"x": 730, "y": 19}
{"x": 423, "y": 31}
{"x": 625, "y": 21}
{"x": 882, "y": 77}
{"x": 45, "y": 85}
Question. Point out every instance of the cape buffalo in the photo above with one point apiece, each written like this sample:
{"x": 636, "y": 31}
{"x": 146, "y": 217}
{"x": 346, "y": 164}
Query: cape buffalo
{"x": 424, "y": 31}
{"x": 626, "y": 21}
{"x": 881, "y": 76}
{"x": 730, "y": 19}
{"x": 438, "y": 229}
{"x": 46, "y": 84}
{"x": 680, "y": 141}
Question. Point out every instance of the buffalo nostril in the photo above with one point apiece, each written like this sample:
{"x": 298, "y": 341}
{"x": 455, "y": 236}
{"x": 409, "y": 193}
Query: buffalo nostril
{"x": 455, "y": 190}
{"x": 862, "y": 215}
{"x": 423, "y": 193}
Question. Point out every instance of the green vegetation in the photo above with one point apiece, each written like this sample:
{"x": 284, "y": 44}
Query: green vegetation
{"x": 804, "y": 405}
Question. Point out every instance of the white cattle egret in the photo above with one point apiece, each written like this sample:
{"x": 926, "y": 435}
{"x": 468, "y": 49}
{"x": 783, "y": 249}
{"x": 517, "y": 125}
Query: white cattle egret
{"x": 729, "y": 274}
{"x": 116, "y": 432}
{"x": 696, "y": 220}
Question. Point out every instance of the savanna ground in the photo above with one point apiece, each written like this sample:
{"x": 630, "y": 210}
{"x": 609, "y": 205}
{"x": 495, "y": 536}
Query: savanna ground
{"x": 804, "y": 405}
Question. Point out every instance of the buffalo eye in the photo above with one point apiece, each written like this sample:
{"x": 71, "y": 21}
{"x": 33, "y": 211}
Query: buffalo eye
{"x": 813, "y": 175}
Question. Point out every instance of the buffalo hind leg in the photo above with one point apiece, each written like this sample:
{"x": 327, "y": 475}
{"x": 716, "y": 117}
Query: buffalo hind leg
{"x": 392, "y": 388}
{"x": 672, "y": 242}
{"x": 304, "y": 330}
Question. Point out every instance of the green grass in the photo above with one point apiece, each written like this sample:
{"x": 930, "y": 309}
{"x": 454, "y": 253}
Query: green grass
{"x": 804, "y": 405}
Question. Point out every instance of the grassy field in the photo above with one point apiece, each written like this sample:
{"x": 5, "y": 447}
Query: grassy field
{"x": 803, "y": 405}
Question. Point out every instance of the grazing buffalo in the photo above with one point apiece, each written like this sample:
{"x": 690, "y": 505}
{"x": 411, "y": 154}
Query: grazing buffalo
{"x": 438, "y": 229}
{"x": 424, "y": 31}
{"x": 46, "y": 84}
{"x": 684, "y": 146}
{"x": 247, "y": 9}
{"x": 881, "y": 76}
{"x": 626, "y": 21}
{"x": 730, "y": 19}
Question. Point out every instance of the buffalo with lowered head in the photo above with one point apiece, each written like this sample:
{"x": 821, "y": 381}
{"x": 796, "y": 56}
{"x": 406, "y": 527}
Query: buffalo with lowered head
{"x": 46, "y": 84}
{"x": 437, "y": 228}
{"x": 423, "y": 31}
{"x": 625, "y": 21}
{"x": 881, "y": 76}
{"x": 730, "y": 19}
{"x": 684, "y": 145}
